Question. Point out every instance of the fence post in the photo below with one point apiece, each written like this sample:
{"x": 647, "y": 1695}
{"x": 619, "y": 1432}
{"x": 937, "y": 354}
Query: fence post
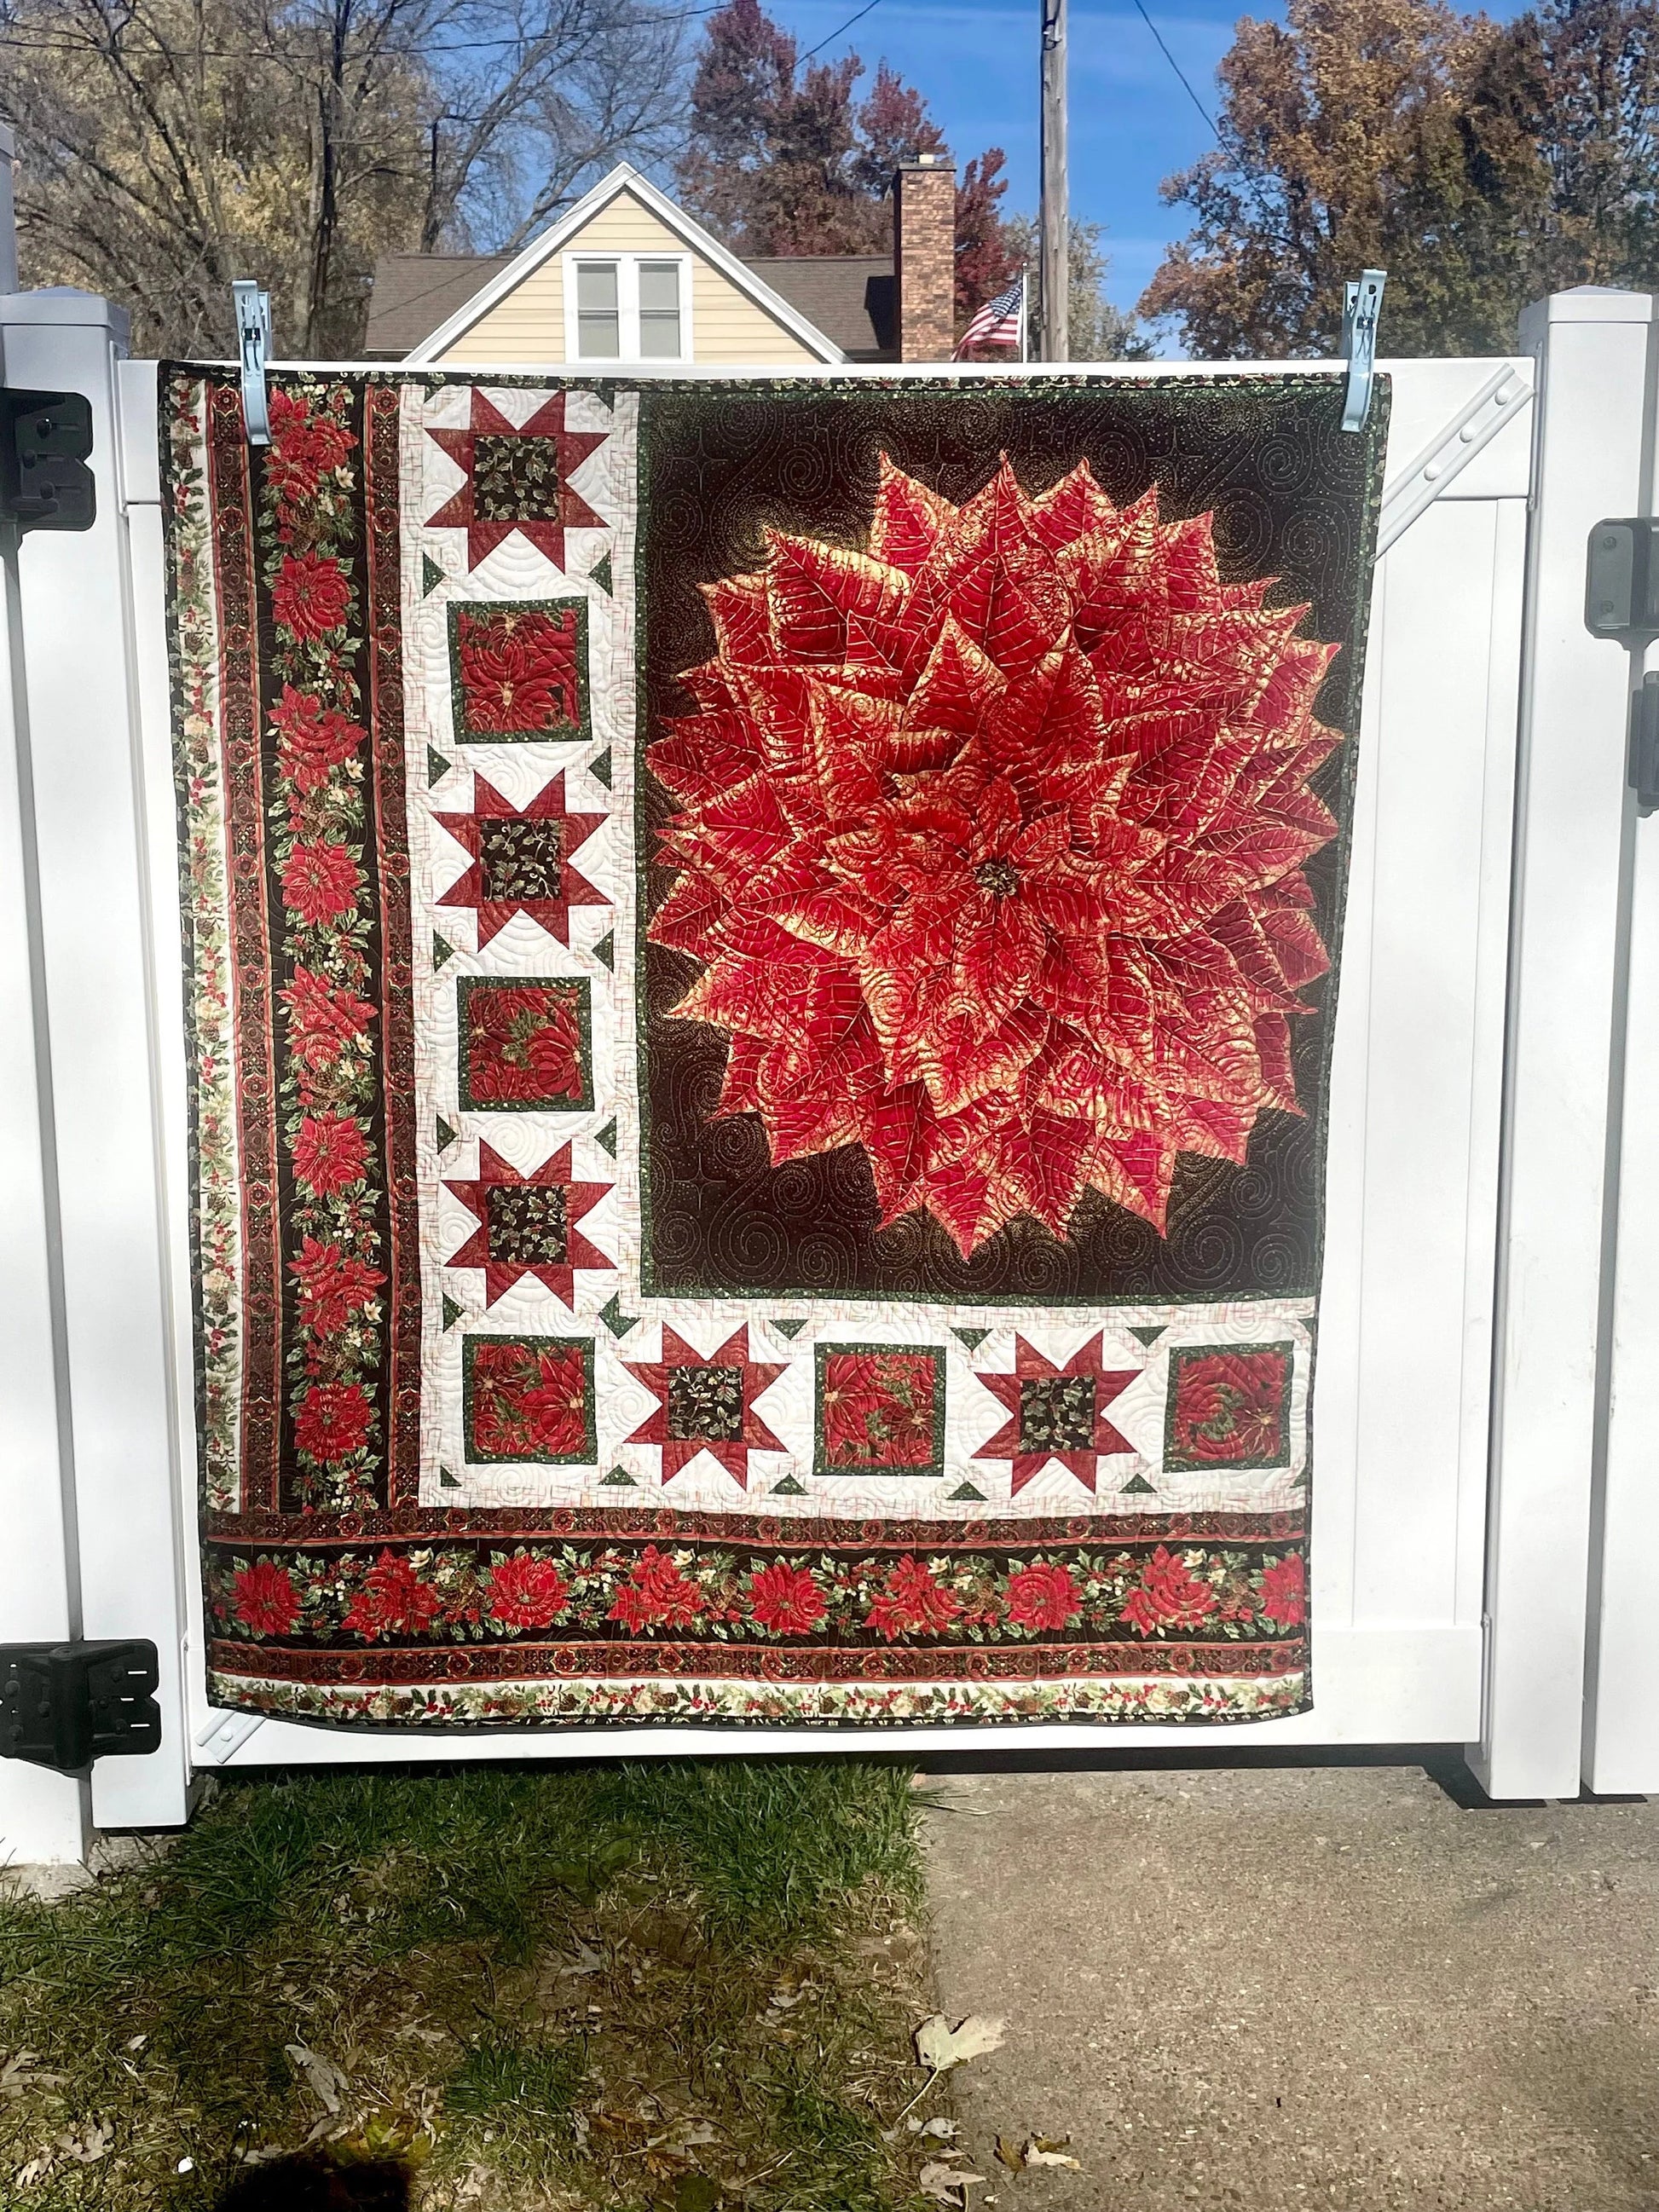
{"x": 94, "y": 993}
{"x": 43, "y": 1817}
{"x": 1592, "y": 349}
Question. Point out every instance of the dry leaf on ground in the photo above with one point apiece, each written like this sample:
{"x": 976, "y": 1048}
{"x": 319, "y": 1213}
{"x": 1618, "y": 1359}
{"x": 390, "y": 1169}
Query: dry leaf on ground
{"x": 1050, "y": 2150}
{"x": 20, "y": 2074}
{"x": 323, "y": 2079}
{"x": 946, "y": 2185}
{"x": 939, "y": 2046}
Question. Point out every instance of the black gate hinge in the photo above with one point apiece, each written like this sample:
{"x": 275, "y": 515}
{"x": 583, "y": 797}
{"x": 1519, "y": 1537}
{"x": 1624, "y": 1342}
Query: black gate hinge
{"x": 1643, "y": 771}
{"x": 64, "y": 1704}
{"x": 46, "y": 438}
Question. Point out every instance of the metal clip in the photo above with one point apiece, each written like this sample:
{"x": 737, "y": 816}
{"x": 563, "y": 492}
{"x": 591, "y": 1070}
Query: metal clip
{"x": 253, "y": 346}
{"x": 1361, "y": 307}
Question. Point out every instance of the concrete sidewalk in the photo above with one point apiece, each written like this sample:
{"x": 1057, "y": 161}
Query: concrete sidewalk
{"x": 1287, "y": 1988}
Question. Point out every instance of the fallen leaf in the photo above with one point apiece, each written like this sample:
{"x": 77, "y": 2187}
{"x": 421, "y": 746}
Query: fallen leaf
{"x": 323, "y": 2079}
{"x": 946, "y": 2185}
{"x": 20, "y": 2074}
{"x": 37, "y": 2169}
{"x": 1049, "y": 2150}
{"x": 1011, "y": 2154}
{"x": 939, "y": 2046}
{"x": 589, "y": 1961}
{"x": 939, "y": 2126}
{"x": 91, "y": 2144}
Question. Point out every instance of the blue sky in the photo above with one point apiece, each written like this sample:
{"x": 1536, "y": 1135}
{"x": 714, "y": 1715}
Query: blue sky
{"x": 1132, "y": 124}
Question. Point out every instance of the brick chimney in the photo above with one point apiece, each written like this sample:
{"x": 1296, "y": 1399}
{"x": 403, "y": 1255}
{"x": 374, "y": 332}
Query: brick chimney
{"x": 925, "y": 257}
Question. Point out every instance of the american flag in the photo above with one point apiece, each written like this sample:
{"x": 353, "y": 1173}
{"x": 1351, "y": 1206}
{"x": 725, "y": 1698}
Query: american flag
{"x": 1000, "y": 322}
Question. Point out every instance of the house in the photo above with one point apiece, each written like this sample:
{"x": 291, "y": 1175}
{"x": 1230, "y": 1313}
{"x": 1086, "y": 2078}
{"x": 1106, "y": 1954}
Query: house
{"x": 627, "y": 278}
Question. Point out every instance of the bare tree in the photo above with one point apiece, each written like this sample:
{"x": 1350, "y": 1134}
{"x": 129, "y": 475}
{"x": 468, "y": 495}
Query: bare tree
{"x": 170, "y": 145}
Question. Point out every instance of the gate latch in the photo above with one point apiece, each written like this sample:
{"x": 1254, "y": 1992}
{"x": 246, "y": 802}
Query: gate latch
{"x": 44, "y": 439}
{"x": 64, "y": 1704}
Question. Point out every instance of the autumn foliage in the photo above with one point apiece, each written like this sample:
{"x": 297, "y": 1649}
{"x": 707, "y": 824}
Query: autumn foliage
{"x": 782, "y": 159}
{"x": 1482, "y": 164}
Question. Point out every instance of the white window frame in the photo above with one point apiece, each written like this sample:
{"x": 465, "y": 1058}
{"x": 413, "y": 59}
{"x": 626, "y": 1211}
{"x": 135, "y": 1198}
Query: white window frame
{"x": 627, "y": 266}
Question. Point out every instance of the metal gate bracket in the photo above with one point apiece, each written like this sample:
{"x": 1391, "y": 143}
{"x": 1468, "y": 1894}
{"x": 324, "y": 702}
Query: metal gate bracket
{"x": 1469, "y": 432}
{"x": 64, "y": 1704}
{"x": 44, "y": 439}
{"x": 252, "y": 309}
{"x": 1362, "y": 309}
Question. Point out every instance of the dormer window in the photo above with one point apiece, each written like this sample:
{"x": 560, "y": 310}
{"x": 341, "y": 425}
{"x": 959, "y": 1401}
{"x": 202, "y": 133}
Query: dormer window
{"x": 628, "y": 307}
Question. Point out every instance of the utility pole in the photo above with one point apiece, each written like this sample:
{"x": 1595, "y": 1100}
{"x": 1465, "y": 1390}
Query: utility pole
{"x": 1053, "y": 266}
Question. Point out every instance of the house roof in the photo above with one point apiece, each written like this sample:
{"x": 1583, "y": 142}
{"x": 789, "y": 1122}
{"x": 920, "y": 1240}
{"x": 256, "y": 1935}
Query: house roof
{"x": 497, "y": 275}
{"x": 414, "y": 294}
{"x": 852, "y": 298}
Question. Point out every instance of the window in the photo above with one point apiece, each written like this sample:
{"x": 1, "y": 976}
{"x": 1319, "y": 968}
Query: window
{"x": 628, "y": 307}
{"x": 659, "y": 310}
{"x": 598, "y": 323}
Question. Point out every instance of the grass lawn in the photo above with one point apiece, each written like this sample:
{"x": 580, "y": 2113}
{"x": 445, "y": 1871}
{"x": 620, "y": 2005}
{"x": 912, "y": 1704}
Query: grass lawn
{"x": 666, "y": 1984}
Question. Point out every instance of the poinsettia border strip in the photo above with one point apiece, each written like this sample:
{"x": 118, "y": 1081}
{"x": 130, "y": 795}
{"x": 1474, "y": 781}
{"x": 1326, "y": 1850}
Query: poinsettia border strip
{"x": 464, "y": 1707}
{"x": 382, "y": 475}
{"x": 193, "y": 614}
{"x": 664, "y": 1521}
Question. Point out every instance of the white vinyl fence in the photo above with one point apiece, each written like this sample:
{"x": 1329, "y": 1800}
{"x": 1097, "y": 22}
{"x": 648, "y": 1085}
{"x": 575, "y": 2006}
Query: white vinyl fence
{"x": 1487, "y": 1400}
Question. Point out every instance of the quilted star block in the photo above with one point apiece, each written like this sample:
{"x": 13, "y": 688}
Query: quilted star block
{"x": 525, "y": 1043}
{"x": 1056, "y": 1413}
{"x": 521, "y": 859}
{"x": 529, "y": 1399}
{"x": 517, "y": 476}
{"x": 1229, "y": 1407}
{"x": 528, "y": 1225}
{"x": 706, "y": 1404}
{"x": 880, "y": 1410}
{"x": 517, "y": 671}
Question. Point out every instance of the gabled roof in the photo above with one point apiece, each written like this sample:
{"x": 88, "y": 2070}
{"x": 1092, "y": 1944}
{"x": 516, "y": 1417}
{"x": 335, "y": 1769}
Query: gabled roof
{"x": 416, "y": 293}
{"x": 510, "y": 273}
{"x": 852, "y": 298}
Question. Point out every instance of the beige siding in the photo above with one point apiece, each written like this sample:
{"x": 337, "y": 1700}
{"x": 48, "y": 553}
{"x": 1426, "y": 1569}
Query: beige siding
{"x": 527, "y": 326}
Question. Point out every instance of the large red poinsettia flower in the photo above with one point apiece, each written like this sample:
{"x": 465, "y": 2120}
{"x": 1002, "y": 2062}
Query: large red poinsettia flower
{"x": 990, "y": 842}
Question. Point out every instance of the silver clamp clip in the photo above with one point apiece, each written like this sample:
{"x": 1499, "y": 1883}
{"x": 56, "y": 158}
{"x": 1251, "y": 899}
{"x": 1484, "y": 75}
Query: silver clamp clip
{"x": 254, "y": 348}
{"x": 1361, "y": 307}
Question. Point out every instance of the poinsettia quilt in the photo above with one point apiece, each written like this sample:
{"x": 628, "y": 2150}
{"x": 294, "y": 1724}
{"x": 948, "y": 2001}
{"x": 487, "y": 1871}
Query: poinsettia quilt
{"x": 760, "y": 972}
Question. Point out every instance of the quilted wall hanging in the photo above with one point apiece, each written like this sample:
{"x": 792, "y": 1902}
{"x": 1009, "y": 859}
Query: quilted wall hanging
{"x": 760, "y": 970}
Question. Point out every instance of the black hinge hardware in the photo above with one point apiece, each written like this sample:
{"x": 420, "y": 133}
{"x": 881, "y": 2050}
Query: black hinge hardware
{"x": 65, "y": 1704}
{"x": 1621, "y": 580}
{"x": 44, "y": 439}
{"x": 1644, "y": 769}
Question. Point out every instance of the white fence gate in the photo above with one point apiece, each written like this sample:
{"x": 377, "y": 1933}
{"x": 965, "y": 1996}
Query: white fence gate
{"x": 1483, "y": 1364}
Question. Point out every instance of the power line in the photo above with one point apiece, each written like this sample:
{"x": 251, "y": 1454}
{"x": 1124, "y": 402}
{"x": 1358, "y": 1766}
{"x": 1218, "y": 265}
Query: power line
{"x": 847, "y": 26}
{"x": 87, "y": 45}
{"x": 1179, "y": 71}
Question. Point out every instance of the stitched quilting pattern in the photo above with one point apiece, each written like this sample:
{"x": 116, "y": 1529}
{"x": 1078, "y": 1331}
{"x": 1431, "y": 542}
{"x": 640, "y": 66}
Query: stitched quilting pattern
{"x": 760, "y": 963}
